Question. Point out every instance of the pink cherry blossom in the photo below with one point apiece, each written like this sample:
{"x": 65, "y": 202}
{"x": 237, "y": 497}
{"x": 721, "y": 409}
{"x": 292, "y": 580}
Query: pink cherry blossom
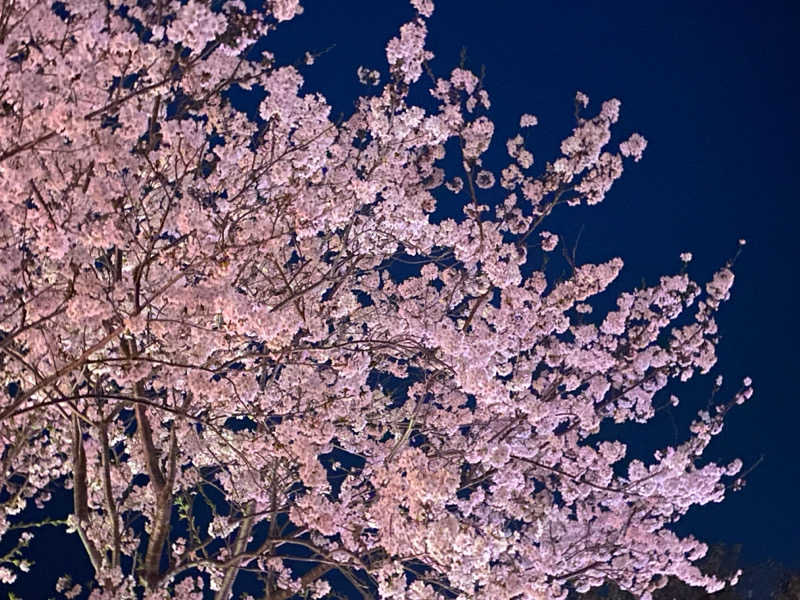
{"x": 549, "y": 241}
{"x": 423, "y": 7}
{"x": 634, "y": 147}
{"x": 484, "y": 179}
{"x": 284, "y": 9}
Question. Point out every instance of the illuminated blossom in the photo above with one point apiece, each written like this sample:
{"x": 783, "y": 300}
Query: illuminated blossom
{"x": 634, "y": 146}
{"x": 423, "y": 7}
{"x": 283, "y": 10}
{"x": 368, "y": 76}
{"x": 484, "y": 179}
{"x": 549, "y": 241}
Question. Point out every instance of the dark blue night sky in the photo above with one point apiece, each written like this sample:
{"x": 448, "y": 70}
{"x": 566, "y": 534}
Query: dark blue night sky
{"x": 712, "y": 87}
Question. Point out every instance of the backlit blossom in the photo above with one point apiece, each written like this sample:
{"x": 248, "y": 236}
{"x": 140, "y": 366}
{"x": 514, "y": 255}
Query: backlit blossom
{"x": 6, "y": 576}
{"x": 195, "y": 25}
{"x": 423, "y": 7}
{"x": 549, "y": 241}
{"x": 283, "y": 10}
{"x": 455, "y": 185}
{"x": 484, "y": 179}
{"x": 634, "y": 147}
{"x": 368, "y": 76}
{"x": 407, "y": 53}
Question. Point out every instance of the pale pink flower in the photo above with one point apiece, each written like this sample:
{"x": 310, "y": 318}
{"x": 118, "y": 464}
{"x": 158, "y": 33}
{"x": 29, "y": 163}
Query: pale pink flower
{"x": 455, "y": 185}
{"x": 368, "y": 76}
{"x": 477, "y": 136}
{"x": 463, "y": 79}
{"x": 283, "y": 10}
{"x": 484, "y": 179}
{"x": 406, "y": 53}
{"x": 549, "y": 241}
{"x": 524, "y": 159}
{"x": 610, "y": 110}
{"x": 634, "y": 146}
{"x": 423, "y": 7}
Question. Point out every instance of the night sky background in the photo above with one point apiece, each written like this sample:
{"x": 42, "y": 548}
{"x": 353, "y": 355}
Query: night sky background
{"x": 713, "y": 88}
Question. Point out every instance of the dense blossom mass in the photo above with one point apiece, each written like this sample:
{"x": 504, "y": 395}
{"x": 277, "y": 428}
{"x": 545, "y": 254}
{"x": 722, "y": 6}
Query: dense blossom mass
{"x": 207, "y": 339}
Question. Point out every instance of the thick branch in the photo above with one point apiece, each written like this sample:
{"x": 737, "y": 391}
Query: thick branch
{"x": 150, "y": 451}
{"x": 80, "y": 494}
{"x": 111, "y": 505}
{"x": 163, "y": 485}
{"x": 239, "y": 546}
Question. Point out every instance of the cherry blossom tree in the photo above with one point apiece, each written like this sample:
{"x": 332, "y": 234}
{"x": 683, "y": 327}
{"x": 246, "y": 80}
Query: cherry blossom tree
{"x": 206, "y": 339}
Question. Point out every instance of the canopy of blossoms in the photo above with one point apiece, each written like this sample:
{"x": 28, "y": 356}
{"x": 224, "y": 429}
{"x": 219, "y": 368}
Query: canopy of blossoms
{"x": 205, "y": 339}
